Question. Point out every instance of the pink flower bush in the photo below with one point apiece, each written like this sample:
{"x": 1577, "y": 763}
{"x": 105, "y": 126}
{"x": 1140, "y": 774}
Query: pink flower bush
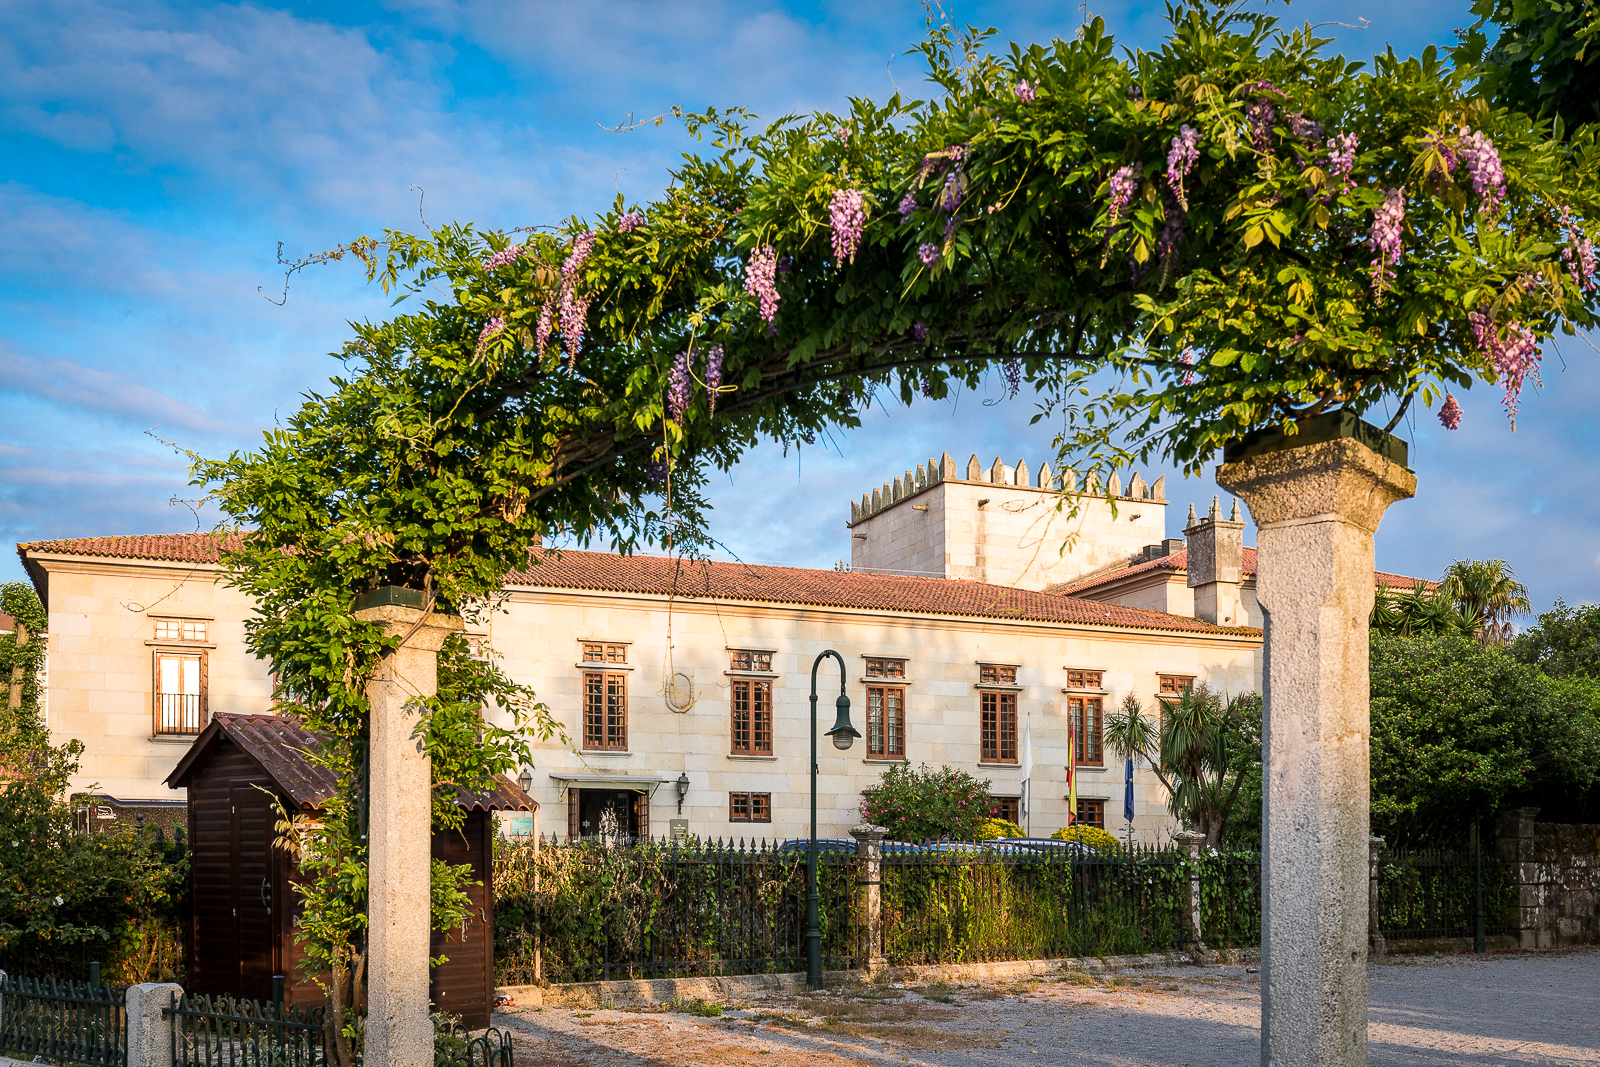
{"x": 760, "y": 280}
{"x": 848, "y": 216}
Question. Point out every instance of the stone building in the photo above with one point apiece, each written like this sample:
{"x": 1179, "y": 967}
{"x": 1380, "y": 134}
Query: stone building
{"x": 977, "y": 617}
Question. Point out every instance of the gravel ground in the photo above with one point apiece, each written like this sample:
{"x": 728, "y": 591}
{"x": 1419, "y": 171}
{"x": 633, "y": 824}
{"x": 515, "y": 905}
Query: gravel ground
{"x": 1505, "y": 1010}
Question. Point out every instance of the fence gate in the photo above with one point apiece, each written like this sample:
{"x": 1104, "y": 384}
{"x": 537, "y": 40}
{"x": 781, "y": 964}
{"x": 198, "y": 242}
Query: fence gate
{"x": 84, "y": 1024}
{"x": 224, "y": 1032}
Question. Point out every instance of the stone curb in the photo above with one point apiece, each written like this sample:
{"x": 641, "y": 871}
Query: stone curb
{"x": 666, "y": 990}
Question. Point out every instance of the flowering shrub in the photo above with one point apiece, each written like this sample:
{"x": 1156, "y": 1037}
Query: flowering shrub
{"x": 990, "y": 829}
{"x": 1091, "y": 836}
{"x": 922, "y": 805}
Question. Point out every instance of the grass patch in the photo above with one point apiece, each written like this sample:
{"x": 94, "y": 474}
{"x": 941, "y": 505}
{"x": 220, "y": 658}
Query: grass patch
{"x": 705, "y": 1009}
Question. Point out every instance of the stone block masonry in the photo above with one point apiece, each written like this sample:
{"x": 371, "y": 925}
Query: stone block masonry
{"x": 1557, "y": 872}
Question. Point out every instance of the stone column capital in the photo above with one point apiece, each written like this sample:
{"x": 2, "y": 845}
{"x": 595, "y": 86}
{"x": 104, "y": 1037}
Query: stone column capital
{"x": 869, "y": 834}
{"x": 428, "y": 630}
{"x": 1189, "y": 839}
{"x": 1341, "y": 480}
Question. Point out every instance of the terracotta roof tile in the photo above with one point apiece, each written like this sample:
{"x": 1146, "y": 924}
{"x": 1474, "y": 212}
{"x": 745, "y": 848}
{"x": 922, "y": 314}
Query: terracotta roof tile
{"x": 178, "y": 548}
{"x": 1179, "y": 561}
{"x": 660, "y": 575}
{"x": 608, "y": 572}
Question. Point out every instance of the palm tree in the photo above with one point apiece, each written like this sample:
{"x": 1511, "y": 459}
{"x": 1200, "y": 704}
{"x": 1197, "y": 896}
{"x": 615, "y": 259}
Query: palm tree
{"x": 1487, "y": 588}
{"x": 1188, "y": 751}
{"x": 1419, "y": 610}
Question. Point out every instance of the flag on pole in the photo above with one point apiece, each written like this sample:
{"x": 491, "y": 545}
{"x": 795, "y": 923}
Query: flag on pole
{"x": 1127, "y": 793}
{"x": 1072, "y": 773}
{"x": 1027, "y": 772}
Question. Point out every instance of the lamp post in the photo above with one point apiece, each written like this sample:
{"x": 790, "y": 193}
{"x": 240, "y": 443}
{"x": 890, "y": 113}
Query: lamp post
{"x": 683, "y": 789}
{"x": 844, "y": 735}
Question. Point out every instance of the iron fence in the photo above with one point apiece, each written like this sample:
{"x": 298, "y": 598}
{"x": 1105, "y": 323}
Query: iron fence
{"x": 491, "y": 1048}
{"x": 589, "y": 911}
{"x": 1434, "y": 894}
{"x": 62, "y": 1021}
{"x": 224, "y": 1032}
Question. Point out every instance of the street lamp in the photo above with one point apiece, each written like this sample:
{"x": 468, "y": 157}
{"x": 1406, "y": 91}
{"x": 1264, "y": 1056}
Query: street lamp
{"x": 683, "y": 789}
{"x": 844, "y": 736}
{"x": 525, "y": 779}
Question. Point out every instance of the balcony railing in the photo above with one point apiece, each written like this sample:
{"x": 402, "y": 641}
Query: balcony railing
{"x": 180, "y": 713}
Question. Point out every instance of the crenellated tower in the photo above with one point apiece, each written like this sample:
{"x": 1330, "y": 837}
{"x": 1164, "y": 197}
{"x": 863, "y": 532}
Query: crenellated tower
{"x": 1010, "y": 525}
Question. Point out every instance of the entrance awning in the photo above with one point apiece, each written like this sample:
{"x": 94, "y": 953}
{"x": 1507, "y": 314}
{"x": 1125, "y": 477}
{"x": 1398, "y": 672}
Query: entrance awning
{"x": 641, "y": 783}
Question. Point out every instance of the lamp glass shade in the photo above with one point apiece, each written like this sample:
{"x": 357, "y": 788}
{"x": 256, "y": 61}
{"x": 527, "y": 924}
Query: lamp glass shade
{"x": 683, "y": 785}
{"x": 843, "y": 733}
{"x": 525, "y": 779}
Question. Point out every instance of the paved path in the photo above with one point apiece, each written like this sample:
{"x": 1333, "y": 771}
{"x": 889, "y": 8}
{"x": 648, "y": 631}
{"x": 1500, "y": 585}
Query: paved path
{"x": 1496, "y": 1012}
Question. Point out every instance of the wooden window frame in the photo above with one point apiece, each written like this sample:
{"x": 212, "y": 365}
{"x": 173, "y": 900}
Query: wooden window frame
{"x": 1084, "y": 732}
{"x": 997, "y": 710}
{"x": 888, "y": 669}
{"x": 747, "y": 806}
{"x": 603, "y": 729}
{"x": 1008, "y": 808}
{"x": 1182, "y": 681}
{"x": 1090, "y": 806}
{"x": 891, "y": 728}
{"x": 202, "y": 707}
{"x": 756, "y": 661}
{"x": 997, "y": 674}
{"x": 1083, "y": 678}
{"x": 612, "y": 652}
{"x": 750, "y": 717}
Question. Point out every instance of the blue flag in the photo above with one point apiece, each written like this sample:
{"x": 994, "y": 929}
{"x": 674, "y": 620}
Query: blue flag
{"x": 1127, "y": 793}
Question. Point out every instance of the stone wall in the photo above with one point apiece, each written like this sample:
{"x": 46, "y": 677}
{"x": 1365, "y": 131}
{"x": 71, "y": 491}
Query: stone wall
{"x": 1558, "y": 878}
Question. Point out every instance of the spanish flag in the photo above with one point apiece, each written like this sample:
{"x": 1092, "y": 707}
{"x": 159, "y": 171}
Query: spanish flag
{"x": 1072, "y": 773}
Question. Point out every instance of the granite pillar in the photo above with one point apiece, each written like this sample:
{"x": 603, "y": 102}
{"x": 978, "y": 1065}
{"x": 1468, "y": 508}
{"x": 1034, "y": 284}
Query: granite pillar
{"x": 399, "y": 1032}
{"x": 869, "y": 852}
{"x": 1316, "y": 498}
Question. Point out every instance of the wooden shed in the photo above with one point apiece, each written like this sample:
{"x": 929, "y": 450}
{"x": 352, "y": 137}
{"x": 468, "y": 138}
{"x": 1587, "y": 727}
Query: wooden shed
{"x": 242, "y": 932}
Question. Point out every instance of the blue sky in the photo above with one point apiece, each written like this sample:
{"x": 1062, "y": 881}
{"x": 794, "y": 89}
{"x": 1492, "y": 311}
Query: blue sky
{"x": 152, "y": 156}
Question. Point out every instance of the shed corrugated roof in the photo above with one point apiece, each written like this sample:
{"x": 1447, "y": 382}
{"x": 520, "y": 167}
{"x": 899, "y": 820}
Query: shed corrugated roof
{"x": 280, "y": 745}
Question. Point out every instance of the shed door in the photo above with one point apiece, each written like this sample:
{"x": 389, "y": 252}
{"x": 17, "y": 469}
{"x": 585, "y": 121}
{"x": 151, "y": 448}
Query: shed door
{"x": 252, "y": 892}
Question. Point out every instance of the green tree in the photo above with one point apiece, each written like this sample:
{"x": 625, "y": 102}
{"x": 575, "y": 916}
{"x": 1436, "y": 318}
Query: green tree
{"x": 1543, "y": 58}
{"x": 22, "y": 653}
{"x": 1194, "y": 751}
{"x": 1419, "y": 610}
{"x": 1487, "y": 590}
{"x": 1564, "y": 643}
{"x": 1460, "y": 731}
{"x": 918, "y": 804}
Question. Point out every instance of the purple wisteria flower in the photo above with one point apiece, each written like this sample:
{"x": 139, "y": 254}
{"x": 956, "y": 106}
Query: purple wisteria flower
{"x": 631, "y": 221}
{"x": 1488, "y": 177}
{"x": 574, "y": 322}
{"x": 714, "y": 356}
{"x": 1513, "y": 358}
{"x": 927, "y": 251}
{"x": 1182, "y": 157}
{"x": 491, "y": 329}
{"x": 919, "y": 332}
{"x": 1123, "y": 184}
{"x": 1025, "y": 92}
{"x": 1450, "y": 414}
{"x": 678, "y": 387}
{"x": 1011, "y": 369}
{"x": 908, "y": 206}
{"x": 1579, "y": 254}
{"x": 1388, "y": 219}
{"x": 541, "y": 335}
{"x": 760, "y": 280}
{"x": 848, "y": 216}
{"x": 581, "y": 245}
{"x": 503, "y": 257}
{"x": 955, "y": 187}
{"x": 1188, "y": 359}
{"x": 1341, "y": 161}
{"x": 1304, "y": 128}
{"x": 1261, "y": 115}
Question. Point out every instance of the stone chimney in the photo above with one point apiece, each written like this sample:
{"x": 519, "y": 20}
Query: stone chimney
{"x": 1216, "y": 565}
